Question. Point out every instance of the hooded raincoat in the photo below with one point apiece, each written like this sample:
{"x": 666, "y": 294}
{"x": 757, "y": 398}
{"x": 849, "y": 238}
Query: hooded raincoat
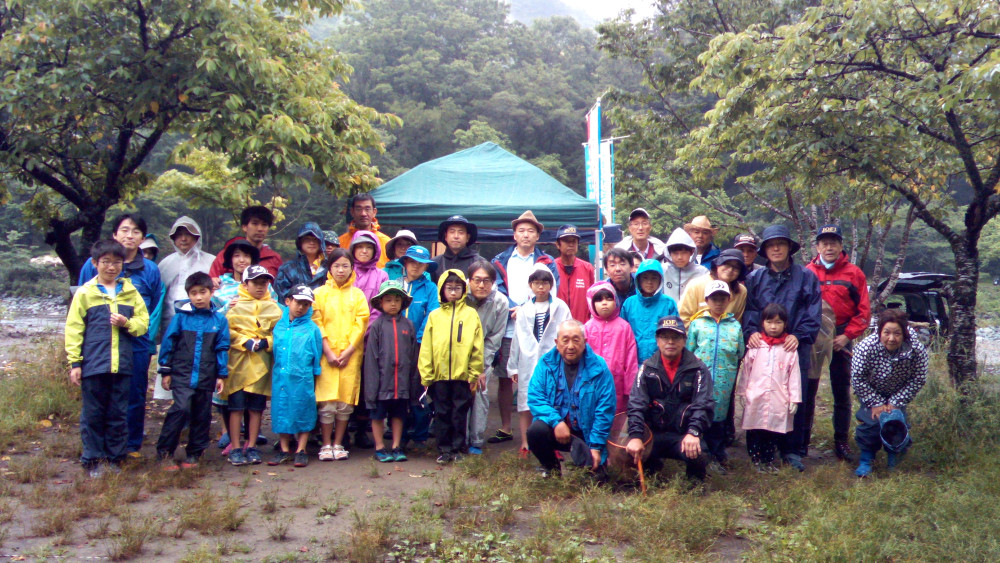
{"x": 642, "y": 312}
{"x": 300, "y": 271}
{"x": 424, "y": 295}
{"x": 719, "y": 344}
{"x": 229, "y": 291}
{"x": 176, "y": 267}
{"x": 368, "y": 276}
{"x": 770, "y": 381}
{"x": 341, "y": 312}
{"x": 298, "y": 348}
{"x": 525, "y": 349}
{"x": 250, "y": 319}
{"x": 589, "y": 404}
{"x": 453, "y": 341}
{"x": 675, "y": 279}
{"x": 612, "y": 339}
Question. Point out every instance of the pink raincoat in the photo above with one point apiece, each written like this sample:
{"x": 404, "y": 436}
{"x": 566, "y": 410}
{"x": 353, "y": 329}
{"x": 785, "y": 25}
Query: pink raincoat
{"x": 769, "y": 380}
{"x": 612, "y": 339}
{"x": 369, "y": 276}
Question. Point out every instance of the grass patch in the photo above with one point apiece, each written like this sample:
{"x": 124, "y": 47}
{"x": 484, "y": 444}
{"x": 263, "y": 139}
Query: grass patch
{"x": 33, "y": 391}
{"x": 208, "y": 514}
{"x": 56, "y": 521}
{"x": 269, "y": 501}
{"x": 371, "y": 534}
{"x": 31, "y": 468}
{"x": 127, "y": 541}
{"x": 277, "y": 527}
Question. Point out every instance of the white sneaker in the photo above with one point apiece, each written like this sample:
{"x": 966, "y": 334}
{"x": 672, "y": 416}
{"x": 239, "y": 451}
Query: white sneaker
{"x": 339, "y": 453}
{"x": 326, "y": 453}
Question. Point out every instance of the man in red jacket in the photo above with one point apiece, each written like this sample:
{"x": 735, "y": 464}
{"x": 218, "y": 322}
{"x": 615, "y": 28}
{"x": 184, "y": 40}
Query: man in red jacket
{"x": 845, "y": 289}
{"x": 255, "y": 221}
{"x": 575, "y": 275}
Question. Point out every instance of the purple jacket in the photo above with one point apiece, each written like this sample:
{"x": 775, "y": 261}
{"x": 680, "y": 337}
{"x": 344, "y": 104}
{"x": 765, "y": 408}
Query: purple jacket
{"x": 612, "y": 339}
{"x": 368, "y": 276}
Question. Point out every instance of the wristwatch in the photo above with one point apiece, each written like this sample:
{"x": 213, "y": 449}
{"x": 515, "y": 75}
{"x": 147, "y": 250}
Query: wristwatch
{"x": 694, "y": 432}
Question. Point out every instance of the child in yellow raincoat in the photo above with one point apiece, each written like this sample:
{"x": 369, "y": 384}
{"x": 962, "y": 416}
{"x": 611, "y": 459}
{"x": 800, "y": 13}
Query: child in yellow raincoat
{"x": 251, "y": 322}
{"x": 341, "y": 311}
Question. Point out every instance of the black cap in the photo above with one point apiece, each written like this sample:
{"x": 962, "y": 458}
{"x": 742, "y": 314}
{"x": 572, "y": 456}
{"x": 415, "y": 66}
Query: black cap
{"x": 829, "y": 231}
{"x": 673, "y": 322}
{"x": 744, "y": 239}
{"x": 638, "y": 211}
{"x": 567, "y": 231}
{"x": 470, "y": 227}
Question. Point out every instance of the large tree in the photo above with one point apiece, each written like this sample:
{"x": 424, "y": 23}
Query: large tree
{"x": 902, "y": 94}
{"x": 90, "y": 87}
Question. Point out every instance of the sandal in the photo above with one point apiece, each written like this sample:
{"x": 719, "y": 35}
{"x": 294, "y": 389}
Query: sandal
{"x": 340, "y": 453}
{"x": 326, "y": 453}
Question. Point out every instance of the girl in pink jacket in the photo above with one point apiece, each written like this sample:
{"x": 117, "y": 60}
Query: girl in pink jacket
{"x": 769, "y": 390}
{"x": 611, "y": 337}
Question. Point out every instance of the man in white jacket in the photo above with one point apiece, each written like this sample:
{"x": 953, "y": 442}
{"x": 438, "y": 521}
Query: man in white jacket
{"x": 186, "y": 259}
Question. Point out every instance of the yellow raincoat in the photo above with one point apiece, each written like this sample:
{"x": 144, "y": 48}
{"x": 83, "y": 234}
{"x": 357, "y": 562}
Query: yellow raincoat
{"x": 250, "y": 318}
{"x": 452, "y": 347}
{"x": 341, "y": 311}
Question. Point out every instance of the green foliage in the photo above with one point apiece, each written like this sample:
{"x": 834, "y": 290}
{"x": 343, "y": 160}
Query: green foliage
{"x": 91, "y": 86}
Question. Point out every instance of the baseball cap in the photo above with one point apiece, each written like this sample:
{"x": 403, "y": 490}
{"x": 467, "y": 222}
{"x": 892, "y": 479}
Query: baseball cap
{"x": 716, "y": 286}
{"x": 302, "y": 293}
{"x": 567, "y": 231}
{"x": 673, "y": 322}
{"x": 744, "y": 239}
{"x": 638, "y": 212}
{"x": 829, "y": 231}
{"x": 256, "y": 271}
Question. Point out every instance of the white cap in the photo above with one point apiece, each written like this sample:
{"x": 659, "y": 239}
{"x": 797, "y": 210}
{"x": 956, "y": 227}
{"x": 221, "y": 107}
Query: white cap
{"x": 716, "y": 286}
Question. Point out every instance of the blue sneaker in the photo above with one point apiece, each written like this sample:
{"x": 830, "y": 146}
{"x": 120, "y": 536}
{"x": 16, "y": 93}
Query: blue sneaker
{"x": 224, "y": 441}
{"x": 473, "y": 450}
{"x": 398, "y": 455}
{"x": 865, "y": 466}
{"x": 237, "y": 457}
{"x": 253, "y": 456}
{"x": 384, "y": 456}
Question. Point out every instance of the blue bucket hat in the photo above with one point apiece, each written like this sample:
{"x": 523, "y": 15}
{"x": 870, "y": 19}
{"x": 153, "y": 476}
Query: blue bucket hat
{"x": 894, "y": 431}
{"x": 420, "y": 254}
{"x": 778, "y": 232}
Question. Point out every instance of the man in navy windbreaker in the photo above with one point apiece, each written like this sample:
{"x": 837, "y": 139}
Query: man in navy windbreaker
{"x": 797, "y": 289}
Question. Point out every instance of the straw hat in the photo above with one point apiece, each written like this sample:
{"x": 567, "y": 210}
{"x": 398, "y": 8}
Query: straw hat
{"x": 700, "y": 222}
{"x": 527, "y": 217}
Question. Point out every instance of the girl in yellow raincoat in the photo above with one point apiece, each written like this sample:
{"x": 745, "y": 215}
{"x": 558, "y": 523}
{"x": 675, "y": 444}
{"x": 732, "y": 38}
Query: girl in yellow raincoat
{"x": 341, "y": 311}
{"x": 251, "y": 324}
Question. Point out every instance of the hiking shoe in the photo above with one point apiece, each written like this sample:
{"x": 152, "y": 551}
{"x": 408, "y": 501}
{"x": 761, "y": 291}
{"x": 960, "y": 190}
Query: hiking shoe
{"x": 326, "y": 453}
{"x": 842, "y": 449}
{"x": 224, "y": 441}
{"x": 253, "y": 456}
{"x": 237, "y": 458}
{"x": 398, "y": 455}
{"x": 716, "y": 468}
{"x": 280, "y": 457}
{"x": 443, "y": 459}
{"x": 473, "y": 450}
{"x": 500, "y": 437}
{"x": 340, "y": 453}
{"x": 383, "y": 456}
{"x": 190, "y": 462}
{"x": 301, "y": 459}
{"x": 795, "y": 461}
{"x": 361, "y": 440}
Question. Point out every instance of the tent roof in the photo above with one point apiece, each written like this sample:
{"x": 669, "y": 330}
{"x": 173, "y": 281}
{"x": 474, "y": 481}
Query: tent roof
{"x": 486, "y": 184}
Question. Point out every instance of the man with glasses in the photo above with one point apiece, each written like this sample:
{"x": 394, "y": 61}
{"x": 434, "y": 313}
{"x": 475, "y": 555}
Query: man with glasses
{"x": 362, "y": 210}
{"x": 639, "y": 229}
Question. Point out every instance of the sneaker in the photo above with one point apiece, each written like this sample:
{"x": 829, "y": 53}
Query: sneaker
{"x": 326, "y": 453}
{"x": 227, "y": 450}
{"x": 473, "y": 450}
{"x": 499, "y": 437}
{"x": 253, "y": 456}
{"x": 224, "y": 441}
{"x": 113, "y": 468}
{"x": 795, "y": 461}
{"x": 864, "y": 468}
{"x": 301, "y": 459}
{"x": 280, "y": 457}
{"x": 167, "y": 462}
{"x": 842, "y": 449}
{"x": 237, "y": 457}
{"x": 190, "y": 462}
{"x": 716, "y": 468}
{"x": 398, "y": 455}
{"x": 361, "y": 440}
{"x": 549, "y": 472}
{"x": 340, "y": 453}
{"x": 261, "y": 440}
{"x": 457, "y": 457}
{"x": 443, "y": 459}
{"x": 769, "y": 468}
{"x": 383, "y": 456}
{"x": 96, "y": 471}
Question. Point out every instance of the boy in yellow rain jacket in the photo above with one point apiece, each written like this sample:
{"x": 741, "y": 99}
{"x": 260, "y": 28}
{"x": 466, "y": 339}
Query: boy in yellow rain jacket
{"x": 451, "y": 363}
{"x": 251, "y": 323}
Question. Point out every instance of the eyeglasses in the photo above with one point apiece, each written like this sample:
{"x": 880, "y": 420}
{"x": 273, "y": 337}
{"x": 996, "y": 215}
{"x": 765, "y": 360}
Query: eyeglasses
{"x": 480, "y": 281}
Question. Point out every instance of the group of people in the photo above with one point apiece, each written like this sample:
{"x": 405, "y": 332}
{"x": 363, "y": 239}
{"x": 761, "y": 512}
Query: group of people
{"x": 367, "y": 330}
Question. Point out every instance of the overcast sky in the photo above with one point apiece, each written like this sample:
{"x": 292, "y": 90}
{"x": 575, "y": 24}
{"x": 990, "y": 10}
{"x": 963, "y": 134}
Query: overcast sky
{"x": 603, "y": 9}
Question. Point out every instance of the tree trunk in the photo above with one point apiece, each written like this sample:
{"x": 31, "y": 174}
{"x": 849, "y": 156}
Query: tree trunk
{"x": 962, "y": 351}
{"x": 904, "y": 244}
{"x": 59, "y": 238}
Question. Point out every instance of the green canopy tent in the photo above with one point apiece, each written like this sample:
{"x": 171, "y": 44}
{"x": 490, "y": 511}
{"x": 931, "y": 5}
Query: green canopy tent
{"x": 487, "y": 185}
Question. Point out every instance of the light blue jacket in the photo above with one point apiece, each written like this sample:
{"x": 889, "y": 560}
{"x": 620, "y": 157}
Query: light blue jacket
{"x": 425, "y": 299}
{"x": 298, "y": 347}
{"x": 642, "y": 312}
